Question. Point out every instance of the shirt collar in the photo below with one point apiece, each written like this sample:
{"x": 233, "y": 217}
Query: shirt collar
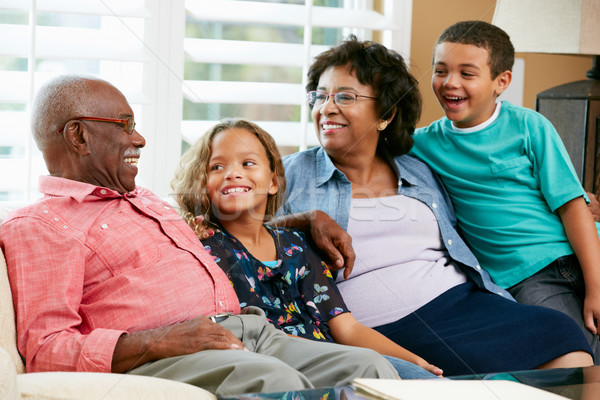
{"x": 325, "y": 167}
{"x": 404, "y": 174}
{"x": 62, "y": 187}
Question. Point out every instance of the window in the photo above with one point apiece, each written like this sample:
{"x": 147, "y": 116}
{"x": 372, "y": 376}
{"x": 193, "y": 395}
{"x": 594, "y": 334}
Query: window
{"x": 249, "y": 58}
{"x": 182, "y": 64}
{"x": 123, "y": 42}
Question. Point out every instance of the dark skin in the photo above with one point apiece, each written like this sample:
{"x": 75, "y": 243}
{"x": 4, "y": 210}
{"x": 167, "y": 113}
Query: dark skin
{"x": 96, "y": 153}
{"x": 198, "y": 334}
{"x": 594, "y": 206}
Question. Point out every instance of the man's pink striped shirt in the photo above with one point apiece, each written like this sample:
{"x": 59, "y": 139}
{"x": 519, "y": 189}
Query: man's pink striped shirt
{"x": 87, "y": 264}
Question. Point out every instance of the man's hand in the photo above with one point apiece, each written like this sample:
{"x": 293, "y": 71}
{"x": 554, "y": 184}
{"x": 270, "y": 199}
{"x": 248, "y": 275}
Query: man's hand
{"x": 198, "y": 334}
{"x": 594, "y": 206}
{"x": 333, "y": 241}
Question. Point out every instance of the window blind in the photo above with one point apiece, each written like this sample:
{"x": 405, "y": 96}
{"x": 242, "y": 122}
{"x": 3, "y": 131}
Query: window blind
{"x": 249, "y": 59}
{"x": 182, "y": 64}
{"x": 114, "y": 40}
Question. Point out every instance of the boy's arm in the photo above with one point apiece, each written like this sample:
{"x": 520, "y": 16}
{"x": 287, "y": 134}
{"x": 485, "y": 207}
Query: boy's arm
{"x": 583, "y": 236}
{"x": 345, "y": 329}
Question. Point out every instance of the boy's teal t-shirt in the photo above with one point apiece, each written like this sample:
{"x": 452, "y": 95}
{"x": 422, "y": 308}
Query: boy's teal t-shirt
{"x": 506, "y": 182}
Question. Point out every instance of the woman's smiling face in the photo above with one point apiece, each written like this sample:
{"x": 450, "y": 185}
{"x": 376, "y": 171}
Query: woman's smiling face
{"x": 343, "y": 130}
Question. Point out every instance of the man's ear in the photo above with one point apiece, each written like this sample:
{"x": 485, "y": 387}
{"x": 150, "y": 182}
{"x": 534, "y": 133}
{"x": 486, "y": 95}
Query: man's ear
{"x": 76, "y": 136}
{"x": 502, "y": 82}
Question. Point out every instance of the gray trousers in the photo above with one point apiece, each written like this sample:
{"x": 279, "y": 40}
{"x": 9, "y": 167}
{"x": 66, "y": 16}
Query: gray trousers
{"x": 276, "y": 362}
{"x": 560, "y": 286}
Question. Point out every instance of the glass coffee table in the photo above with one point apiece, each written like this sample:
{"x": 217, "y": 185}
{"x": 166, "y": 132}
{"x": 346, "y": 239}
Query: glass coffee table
{"x": 571, "y": 383}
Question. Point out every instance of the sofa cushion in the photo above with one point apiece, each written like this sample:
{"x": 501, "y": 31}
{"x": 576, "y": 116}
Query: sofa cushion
{"x": 94, "y": 385}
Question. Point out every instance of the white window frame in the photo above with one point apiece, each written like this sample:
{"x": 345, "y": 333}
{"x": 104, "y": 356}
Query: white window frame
{"x": 395, "y": 22}
{"x": 160, "y": 100}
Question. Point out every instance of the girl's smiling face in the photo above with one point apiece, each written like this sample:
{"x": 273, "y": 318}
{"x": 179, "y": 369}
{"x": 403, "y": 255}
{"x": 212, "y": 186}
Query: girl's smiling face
{"x": 239, "y": 178}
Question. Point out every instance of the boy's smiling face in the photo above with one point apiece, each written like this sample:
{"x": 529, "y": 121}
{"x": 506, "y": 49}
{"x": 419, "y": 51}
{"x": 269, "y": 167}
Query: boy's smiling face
{"x": 463, "y": 84}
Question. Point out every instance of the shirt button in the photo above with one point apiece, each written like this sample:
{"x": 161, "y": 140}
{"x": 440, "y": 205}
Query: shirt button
{"x": 449, "y": 242}
{"x": 102, "y": 191}
{"x": 45, "y": 211}
{"x": 56, "y": 219}
{"x": 65, "y": 227}
{"x": 220, "y": 303}
{"x": 434, "y": 205}
{"x": 167, "y": 207}
{"x": 104, "y": 226}
{"x": 478, "y": 267}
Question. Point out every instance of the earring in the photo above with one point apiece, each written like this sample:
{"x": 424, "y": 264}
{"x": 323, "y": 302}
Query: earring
{"x": 382, "y": 125}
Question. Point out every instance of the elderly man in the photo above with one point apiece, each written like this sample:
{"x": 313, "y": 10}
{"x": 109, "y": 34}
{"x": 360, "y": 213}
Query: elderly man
{"x": 107, "y": 277}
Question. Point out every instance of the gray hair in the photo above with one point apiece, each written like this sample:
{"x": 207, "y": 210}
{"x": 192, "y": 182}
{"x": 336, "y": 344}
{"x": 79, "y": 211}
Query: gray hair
{"x": 57, "y": 101}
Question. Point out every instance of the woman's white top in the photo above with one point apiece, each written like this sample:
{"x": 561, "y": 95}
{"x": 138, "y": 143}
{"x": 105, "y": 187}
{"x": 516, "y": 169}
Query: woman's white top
{"x": 401, "y": 261}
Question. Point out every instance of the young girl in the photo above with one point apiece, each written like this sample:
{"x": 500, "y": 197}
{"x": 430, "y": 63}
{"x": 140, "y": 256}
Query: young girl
{"x": 234, "y": 178}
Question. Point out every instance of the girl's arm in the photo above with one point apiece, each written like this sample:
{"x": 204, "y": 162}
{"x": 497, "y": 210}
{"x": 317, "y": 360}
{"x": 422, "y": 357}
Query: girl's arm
{"x": 318, "y": 289}
{"x": 583, "y": 236}
{"x": 345, "y": 329}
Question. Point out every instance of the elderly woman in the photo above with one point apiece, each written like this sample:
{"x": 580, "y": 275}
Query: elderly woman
{"x": 414, "y": 279}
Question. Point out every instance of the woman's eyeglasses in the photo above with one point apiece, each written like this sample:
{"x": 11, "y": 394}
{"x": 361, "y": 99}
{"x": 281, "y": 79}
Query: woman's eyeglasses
{"x": 317, "y": 98}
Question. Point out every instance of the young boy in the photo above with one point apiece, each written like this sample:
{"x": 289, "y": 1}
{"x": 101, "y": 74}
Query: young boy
{"x": 518, "y": 200}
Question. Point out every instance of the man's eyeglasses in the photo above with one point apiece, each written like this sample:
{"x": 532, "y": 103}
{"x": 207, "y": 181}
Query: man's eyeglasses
{"x": 317, "y": 99}
{"x": 128, "y": 124}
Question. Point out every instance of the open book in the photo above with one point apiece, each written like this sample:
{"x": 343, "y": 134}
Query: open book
{"x": 391, "y": 389}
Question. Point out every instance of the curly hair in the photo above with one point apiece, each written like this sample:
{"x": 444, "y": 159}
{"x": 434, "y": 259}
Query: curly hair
{"x": 386, "y": 72}
{"x": 487, "y": 36}
{"x": 189, "y": 183}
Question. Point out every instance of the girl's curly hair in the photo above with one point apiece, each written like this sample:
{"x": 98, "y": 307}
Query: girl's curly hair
{"x": 189, "y": 183}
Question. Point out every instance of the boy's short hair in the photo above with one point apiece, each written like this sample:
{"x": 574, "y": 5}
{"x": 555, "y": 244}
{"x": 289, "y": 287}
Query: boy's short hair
{"x": 484, "y": 35}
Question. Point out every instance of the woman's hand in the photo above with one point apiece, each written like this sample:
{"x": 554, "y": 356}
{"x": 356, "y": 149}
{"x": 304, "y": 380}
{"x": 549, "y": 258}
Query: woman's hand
{"x": 326, "y": 234}
{"x": 333, "y": 241}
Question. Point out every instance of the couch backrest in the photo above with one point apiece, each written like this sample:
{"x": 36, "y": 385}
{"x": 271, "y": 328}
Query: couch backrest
{"x": 8, "y": 330}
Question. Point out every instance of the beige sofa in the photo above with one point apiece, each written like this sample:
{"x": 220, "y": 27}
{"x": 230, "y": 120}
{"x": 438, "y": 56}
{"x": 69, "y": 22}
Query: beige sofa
{"x": 16, "y": 384}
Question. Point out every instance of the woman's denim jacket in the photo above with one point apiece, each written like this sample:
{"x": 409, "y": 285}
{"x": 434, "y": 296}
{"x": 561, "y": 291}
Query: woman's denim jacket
{"x": 314, "y": 183}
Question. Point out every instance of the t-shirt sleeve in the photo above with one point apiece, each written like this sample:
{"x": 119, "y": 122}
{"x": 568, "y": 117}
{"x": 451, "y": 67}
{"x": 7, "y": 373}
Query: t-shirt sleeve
{"x": 552, "y": 165}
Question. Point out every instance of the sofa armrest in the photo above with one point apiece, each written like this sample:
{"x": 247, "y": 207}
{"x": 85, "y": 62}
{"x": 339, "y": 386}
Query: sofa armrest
{"x": 104, "y": 386}
{"x": 8, "y": 377}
